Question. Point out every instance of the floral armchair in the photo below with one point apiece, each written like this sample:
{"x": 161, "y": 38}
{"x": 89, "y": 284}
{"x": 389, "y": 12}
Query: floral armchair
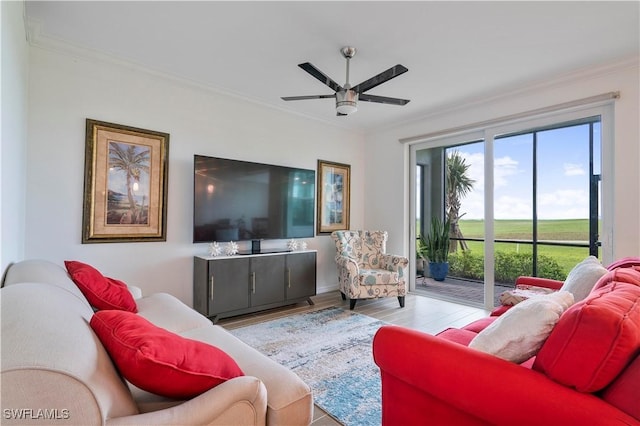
{"x": 365, "y": 271}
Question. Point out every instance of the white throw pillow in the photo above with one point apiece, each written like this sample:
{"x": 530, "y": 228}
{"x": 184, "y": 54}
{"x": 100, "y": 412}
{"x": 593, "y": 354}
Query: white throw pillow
{"x": 583, "y": 277}
{"x": 520, "y": 332}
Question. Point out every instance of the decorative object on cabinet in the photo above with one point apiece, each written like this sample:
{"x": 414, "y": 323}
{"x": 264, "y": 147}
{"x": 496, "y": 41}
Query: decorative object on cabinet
{"x": 231, "y": 248}
{"x": 334, "y": 182}
{"x": 215, "y": 249}
{"x": 292, "y": 245}
{"x": 125, "y": 186}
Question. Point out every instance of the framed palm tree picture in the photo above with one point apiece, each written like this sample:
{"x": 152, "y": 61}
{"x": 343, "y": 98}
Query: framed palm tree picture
{"x": 125, "y": 186}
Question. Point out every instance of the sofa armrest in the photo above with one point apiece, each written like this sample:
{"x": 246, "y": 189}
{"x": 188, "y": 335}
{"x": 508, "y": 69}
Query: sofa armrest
{"x": 540, "y": 282}
{"x": 242, "y": 400}
{"x": 472, "y": 384}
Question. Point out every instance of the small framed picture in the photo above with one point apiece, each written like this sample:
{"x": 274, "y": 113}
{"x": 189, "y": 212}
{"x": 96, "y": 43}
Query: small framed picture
{"x": 125, "y": 184}
{"x": 334, "y": 182}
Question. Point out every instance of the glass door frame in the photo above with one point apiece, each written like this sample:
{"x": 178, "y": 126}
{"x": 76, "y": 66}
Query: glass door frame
{"x": 603, "y": 109}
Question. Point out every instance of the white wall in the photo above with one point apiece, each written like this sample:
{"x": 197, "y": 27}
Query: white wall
{"x": 384, "y": 152}
{"x": 13, "y": 125}
{"x": 65, "y": 90}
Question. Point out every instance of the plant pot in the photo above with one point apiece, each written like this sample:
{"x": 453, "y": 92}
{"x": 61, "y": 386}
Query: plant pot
{"x": 439, "y": 270}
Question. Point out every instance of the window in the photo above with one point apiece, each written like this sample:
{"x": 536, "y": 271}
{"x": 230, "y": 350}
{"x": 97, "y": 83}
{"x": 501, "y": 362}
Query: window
{"x": 537, "y": 193}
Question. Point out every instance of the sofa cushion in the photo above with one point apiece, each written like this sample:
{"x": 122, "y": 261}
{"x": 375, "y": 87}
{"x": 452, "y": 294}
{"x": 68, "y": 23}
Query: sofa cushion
{"x": 166, "y": 311}
{"x": 596, "y": 338}
{"x": 478, "y": 325}
{"x": 623, "y": 392}
{"x": 289, "y": 399}
{"x": 583, "y": 277}
{"x": 458, "y": 335}
{"x": 51, "y": 359}
{"x": 518, "y": 334}
{"x": 159, "y": 361}
{"x": 101, "y": 292}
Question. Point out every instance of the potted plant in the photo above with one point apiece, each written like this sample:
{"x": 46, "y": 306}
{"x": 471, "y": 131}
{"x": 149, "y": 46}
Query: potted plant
{"x": 436, "y": 244}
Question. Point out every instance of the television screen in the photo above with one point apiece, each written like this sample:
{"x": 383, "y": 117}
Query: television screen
{"x": 239, "y": 200}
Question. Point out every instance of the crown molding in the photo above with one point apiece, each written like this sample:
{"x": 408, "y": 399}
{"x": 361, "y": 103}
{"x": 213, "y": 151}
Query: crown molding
{"x": 581, "y": 74}
{"x": 37, "y": 39}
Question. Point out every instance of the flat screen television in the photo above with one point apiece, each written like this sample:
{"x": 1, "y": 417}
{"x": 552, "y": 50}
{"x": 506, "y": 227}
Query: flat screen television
{"x": 239, "y": 200}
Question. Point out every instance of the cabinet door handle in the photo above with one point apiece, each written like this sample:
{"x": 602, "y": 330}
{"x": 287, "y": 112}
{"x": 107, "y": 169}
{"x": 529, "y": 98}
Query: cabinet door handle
{"x": 211, "y": 287}
{"x": 253, "y": 282}
{"x": 289, "y": 277}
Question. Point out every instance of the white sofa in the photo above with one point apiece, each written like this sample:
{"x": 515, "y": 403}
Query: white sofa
{"x": 55, "y": 370}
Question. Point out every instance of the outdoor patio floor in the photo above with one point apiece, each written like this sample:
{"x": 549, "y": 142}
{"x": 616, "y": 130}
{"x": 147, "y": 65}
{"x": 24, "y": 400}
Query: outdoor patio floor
{"x": 458, "y": 290}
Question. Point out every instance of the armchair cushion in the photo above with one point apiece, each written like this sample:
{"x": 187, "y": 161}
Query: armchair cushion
{"x": 377, "y": 276}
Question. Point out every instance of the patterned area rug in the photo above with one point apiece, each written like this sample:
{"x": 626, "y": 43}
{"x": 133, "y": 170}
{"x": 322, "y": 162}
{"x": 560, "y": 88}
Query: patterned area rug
{"x": 330, "y": 350}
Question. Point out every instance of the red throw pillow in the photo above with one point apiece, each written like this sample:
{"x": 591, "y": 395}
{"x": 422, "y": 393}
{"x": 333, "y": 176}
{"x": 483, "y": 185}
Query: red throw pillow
{"x": 596, "y": 338}
{"x": 101, "y": 292}
{"x": 159, "y": 361}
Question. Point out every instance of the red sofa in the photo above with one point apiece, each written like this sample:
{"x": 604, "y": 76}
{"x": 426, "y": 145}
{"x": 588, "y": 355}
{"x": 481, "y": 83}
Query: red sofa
{"x": 587, "y": 372}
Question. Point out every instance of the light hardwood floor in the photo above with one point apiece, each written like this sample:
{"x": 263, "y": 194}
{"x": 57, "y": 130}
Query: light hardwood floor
{"x": 420, "y": 313}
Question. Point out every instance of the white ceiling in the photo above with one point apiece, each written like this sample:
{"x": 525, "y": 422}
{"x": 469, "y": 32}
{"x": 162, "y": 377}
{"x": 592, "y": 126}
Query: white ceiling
{"x": 455, "y": 51}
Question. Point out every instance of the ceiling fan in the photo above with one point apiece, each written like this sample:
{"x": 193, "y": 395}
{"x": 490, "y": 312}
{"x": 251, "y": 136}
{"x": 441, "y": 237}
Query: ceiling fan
{"x": 347, "y": 97}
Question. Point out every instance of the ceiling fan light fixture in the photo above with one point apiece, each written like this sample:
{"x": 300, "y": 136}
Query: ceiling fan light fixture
{"x": 346, "y": 107}
{"x": 346, "y": 102}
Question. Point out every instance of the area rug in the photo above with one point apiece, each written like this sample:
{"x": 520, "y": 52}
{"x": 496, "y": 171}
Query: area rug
{"x": 330, "y": 350}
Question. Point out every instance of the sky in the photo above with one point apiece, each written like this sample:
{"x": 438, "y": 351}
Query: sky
{"x": 563, "y": 175}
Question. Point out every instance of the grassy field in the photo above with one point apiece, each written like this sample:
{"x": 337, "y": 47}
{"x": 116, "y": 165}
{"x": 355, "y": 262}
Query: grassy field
{"x": 553, "y": 230}
{"x": 556, "y": 230}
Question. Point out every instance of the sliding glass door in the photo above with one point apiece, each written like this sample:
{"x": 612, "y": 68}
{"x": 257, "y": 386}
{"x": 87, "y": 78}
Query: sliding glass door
{"x": 523, "y": 199}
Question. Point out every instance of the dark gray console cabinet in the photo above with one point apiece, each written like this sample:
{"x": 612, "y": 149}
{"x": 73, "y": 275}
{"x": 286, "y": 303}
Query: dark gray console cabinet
{"x": 229, "y": 286}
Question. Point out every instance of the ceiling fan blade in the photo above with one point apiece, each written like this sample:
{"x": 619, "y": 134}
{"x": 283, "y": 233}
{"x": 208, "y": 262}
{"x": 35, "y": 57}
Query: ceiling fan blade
{"x": 324, "y": 79}
{"x": 300, "y": 98}
{"x": 383, "y": 99}
{"x": 380, "y": 78}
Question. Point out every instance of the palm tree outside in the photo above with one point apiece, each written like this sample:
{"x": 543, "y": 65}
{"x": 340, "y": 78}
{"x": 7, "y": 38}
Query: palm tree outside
{"x": 458, "y": 185}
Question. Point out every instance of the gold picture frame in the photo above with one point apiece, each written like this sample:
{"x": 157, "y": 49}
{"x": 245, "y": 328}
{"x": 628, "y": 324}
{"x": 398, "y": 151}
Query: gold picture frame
{"x": 334, "y": 186}
{"x": 125, "y": 184}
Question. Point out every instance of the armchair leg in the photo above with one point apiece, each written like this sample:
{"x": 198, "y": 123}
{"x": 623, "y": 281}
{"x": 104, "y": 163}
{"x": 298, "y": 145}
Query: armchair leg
{"x": 343, "y": 296}
{"x": 401, "y": 300}
{"x": 352, "y": 303}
